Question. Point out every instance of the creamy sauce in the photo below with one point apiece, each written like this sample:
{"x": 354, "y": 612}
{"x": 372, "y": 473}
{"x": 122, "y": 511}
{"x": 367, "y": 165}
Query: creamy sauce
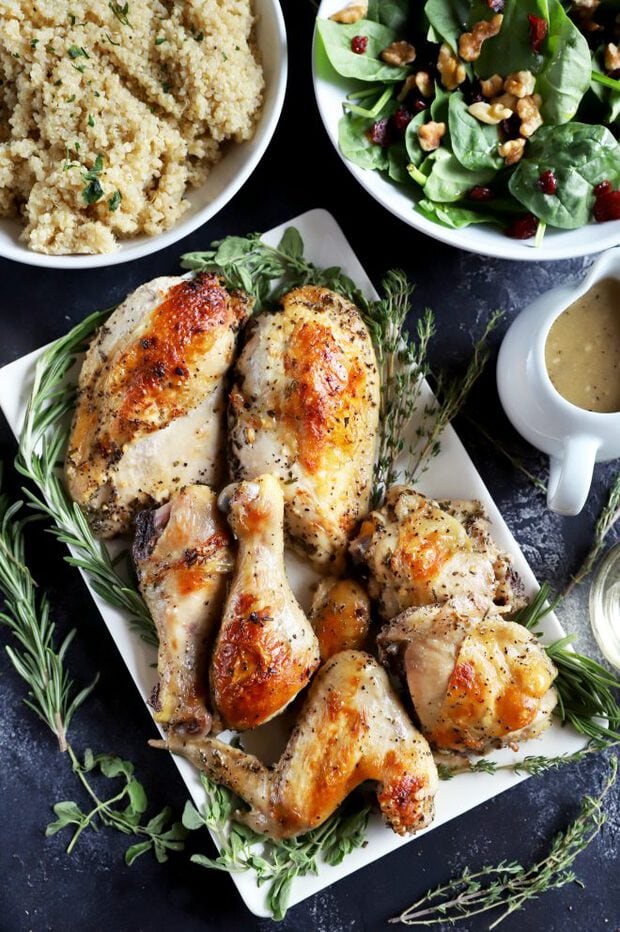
{"x": 582, "y": 352}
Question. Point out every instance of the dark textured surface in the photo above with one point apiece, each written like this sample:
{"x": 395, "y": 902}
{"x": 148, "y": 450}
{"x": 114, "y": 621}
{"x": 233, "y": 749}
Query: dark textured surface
{"x": 42, "y": 888}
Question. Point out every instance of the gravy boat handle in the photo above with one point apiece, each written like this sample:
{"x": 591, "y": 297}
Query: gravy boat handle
{"x": 570, "y": 475}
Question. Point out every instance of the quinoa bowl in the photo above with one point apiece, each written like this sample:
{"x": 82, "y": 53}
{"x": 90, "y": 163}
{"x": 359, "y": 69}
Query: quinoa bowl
{"x": 94, "y": 213}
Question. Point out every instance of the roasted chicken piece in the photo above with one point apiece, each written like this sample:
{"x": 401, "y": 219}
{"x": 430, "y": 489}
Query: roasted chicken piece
{"x": 476, "y": 680}
{"x": 340, "y": 616}
{"x": 183, "y": 556}
{"x": 305, "y": 407}
{"x": 266, "y": 650}
{"x": 150, "y": 411}
{"x": 351, "y": 728}
{"x": 419, "y": 551}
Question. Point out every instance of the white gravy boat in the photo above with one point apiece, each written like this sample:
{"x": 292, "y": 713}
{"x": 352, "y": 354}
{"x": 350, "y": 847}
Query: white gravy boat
{"x": 573, "y": 438}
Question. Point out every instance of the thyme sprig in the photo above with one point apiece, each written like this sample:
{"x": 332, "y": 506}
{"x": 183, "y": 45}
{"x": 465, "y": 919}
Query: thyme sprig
{"x": 276, "y": 863}
{"x": 54, "y": 698}
{"x": 606, "y": 521}
{"x": 508, "y": 886}
{"x": 533, "y": 764}
{"x": 41, "y": 447}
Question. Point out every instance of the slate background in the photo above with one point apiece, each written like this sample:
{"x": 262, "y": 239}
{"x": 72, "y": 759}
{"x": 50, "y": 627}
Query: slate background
{"x": 44, "y": 889}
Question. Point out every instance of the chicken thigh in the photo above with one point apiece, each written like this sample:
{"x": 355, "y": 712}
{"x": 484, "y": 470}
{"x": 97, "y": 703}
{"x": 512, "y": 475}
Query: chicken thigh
{"x": 305, "y": 407}
{"x": 419, "y": 551}
{"x": 476, "y": 680}
{"x": 351, "y": 728}
{"x": 266, "y": 650}
{"x": 183, "y": 557}
{"x": 150, "y": 410}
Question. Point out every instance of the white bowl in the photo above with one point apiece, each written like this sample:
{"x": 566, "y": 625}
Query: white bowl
{"x": 330, "y": 90}
{"x": 235, "y": 167}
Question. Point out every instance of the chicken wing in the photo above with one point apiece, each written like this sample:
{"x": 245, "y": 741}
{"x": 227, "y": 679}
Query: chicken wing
{"x": 305, "y": 407}
{"x": 266, "y": 650}
{"x": 340, "y": 616}
{"x": 183, "y": 557}
{"x": 149, "y": 418}
{"x": 419, "y": 551}
{"x": 476, "y": 681}
{"x": 351, "y": 728}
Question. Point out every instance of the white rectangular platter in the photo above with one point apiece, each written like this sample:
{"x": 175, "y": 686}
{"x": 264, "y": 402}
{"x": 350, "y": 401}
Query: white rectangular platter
{"x": 452, "y": 475}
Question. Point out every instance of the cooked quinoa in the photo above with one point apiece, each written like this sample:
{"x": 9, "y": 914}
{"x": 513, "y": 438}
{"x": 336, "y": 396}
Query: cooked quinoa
{"x": 109, "y": 111}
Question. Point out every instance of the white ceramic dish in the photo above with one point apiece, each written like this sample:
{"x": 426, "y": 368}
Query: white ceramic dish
{"x": 330, "y": 90}
{"x": 452, "y": 475}
{"x": 231, "y": 172}
{"x": 573, "y": 438}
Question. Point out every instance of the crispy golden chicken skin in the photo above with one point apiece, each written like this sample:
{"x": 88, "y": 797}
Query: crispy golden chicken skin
{"x": 305, "y": 406}
{"x": 419, "y": 551}
{"x": 150, "y": 410}
{"x": 183, "y": 554}
{"x": 351, "y": 728}
{"x": 477, "y": 681}
{"x": 266, "y": 650}
{"x": 340, "y": 616}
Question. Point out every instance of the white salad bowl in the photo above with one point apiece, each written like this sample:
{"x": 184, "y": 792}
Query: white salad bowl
{"x": 330, "y": 90}
{"x": 231, "y": 172}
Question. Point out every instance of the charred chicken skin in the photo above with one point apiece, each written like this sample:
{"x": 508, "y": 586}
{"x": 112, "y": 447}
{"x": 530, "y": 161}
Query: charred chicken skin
{"x": 266, "y": 650}
{"x": 305, "y": 407}
{"x": 476, "y": 680}
{"x": 149, "y": 418}
{"x": 183, "y": 556}
{"x": 351, "y": 728}
{"x": 419, "y": 552}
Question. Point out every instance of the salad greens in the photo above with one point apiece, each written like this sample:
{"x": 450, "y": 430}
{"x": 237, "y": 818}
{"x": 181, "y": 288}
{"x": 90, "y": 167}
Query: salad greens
{"x": 544, "y": 160}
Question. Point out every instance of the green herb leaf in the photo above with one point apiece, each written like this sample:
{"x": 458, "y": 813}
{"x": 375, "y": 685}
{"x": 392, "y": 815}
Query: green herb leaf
{"x": 114, "y": 201}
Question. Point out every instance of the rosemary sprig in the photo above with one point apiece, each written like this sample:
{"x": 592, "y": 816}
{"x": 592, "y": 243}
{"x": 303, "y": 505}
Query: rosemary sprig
{"x": 53, "y": 697}
{"x": 508, "y": 885}
{"x": 606, "y": 521}
{"x": 41, "y": 447}
{"x": 276, "y": 863}
{"x": 247, "y": 262}
{"x": 585, "y": 688}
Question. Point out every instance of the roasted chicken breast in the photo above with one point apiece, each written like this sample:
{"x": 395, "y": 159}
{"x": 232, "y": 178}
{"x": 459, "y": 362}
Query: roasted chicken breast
{"x": 419, "y": 551}
{"x": 477, "y": 681}
{"x": 150, "y": 410}
{"x": 305, "y": 407}
{"x": 183, "y": 554}
{"x": 351, "y": 728}
{"x": 266, "y": 650}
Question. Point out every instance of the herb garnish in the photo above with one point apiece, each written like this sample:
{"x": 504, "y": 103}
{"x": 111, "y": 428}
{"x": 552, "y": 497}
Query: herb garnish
{"x": 508, "y": 885}
{"x": 121, "y": 13}
{"x": 274, "y": 862}
{"x": 77, "y": 51}
{"x": 92, "y": 191}
{"x": 115, "y": 200}
{"x": 54, "y": 698}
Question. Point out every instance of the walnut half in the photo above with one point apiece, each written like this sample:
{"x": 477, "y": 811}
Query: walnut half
{"x": 529, "y": 112}
{"x": 351, "y": 13}
{"x": 398, "y": 54}
{"x": 511, "y": 151}
{"x": 489, "y": 113}
{"x": 452, "y": 70}
{"x": 430, "y": 135}
{"x": 470, "y": 43}
{"x": 612, "y": 57}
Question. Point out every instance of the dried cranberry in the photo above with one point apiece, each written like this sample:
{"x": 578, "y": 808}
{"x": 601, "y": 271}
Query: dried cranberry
{"x": 607, "y": 206}
{"x": 480, "y": 193}
{"x": 547, "y": 183}
{"x": 472, "y": 92}
{"x": 379, "y": 132}
{"x": 523, "y": 227}
{"x": 359, "y": 44}
{"x": 602, "y": 188}
{"x": 511, "y": 128}
{"x": 419, "y": 105}
{"x": 615, "y": 74}
{"x": 496, "y": 5}
{"x": 401, "y": 119}
{"x": 538, "y": 32}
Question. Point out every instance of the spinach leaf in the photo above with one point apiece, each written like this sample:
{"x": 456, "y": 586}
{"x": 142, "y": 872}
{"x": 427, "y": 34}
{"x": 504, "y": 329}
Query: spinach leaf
{"x": 609, "y": 97}
{"x": 440, "y": 105}
{"x": 448, "y": 19}
{"x": 337, "y": 38}
{"x": 473, "y": 143}
{"x": 455, "y": 217}
{"x": 510, "y": 50}
{"x": 565, "y": 75}
{"x": 355, "y": 145}
{"x": 449, "y": 180}
{"x": 397, "y": 163}
{"x": 412, "y": 144}
{"x": 391, "y": 13}
{"x": 580, "y": 156}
